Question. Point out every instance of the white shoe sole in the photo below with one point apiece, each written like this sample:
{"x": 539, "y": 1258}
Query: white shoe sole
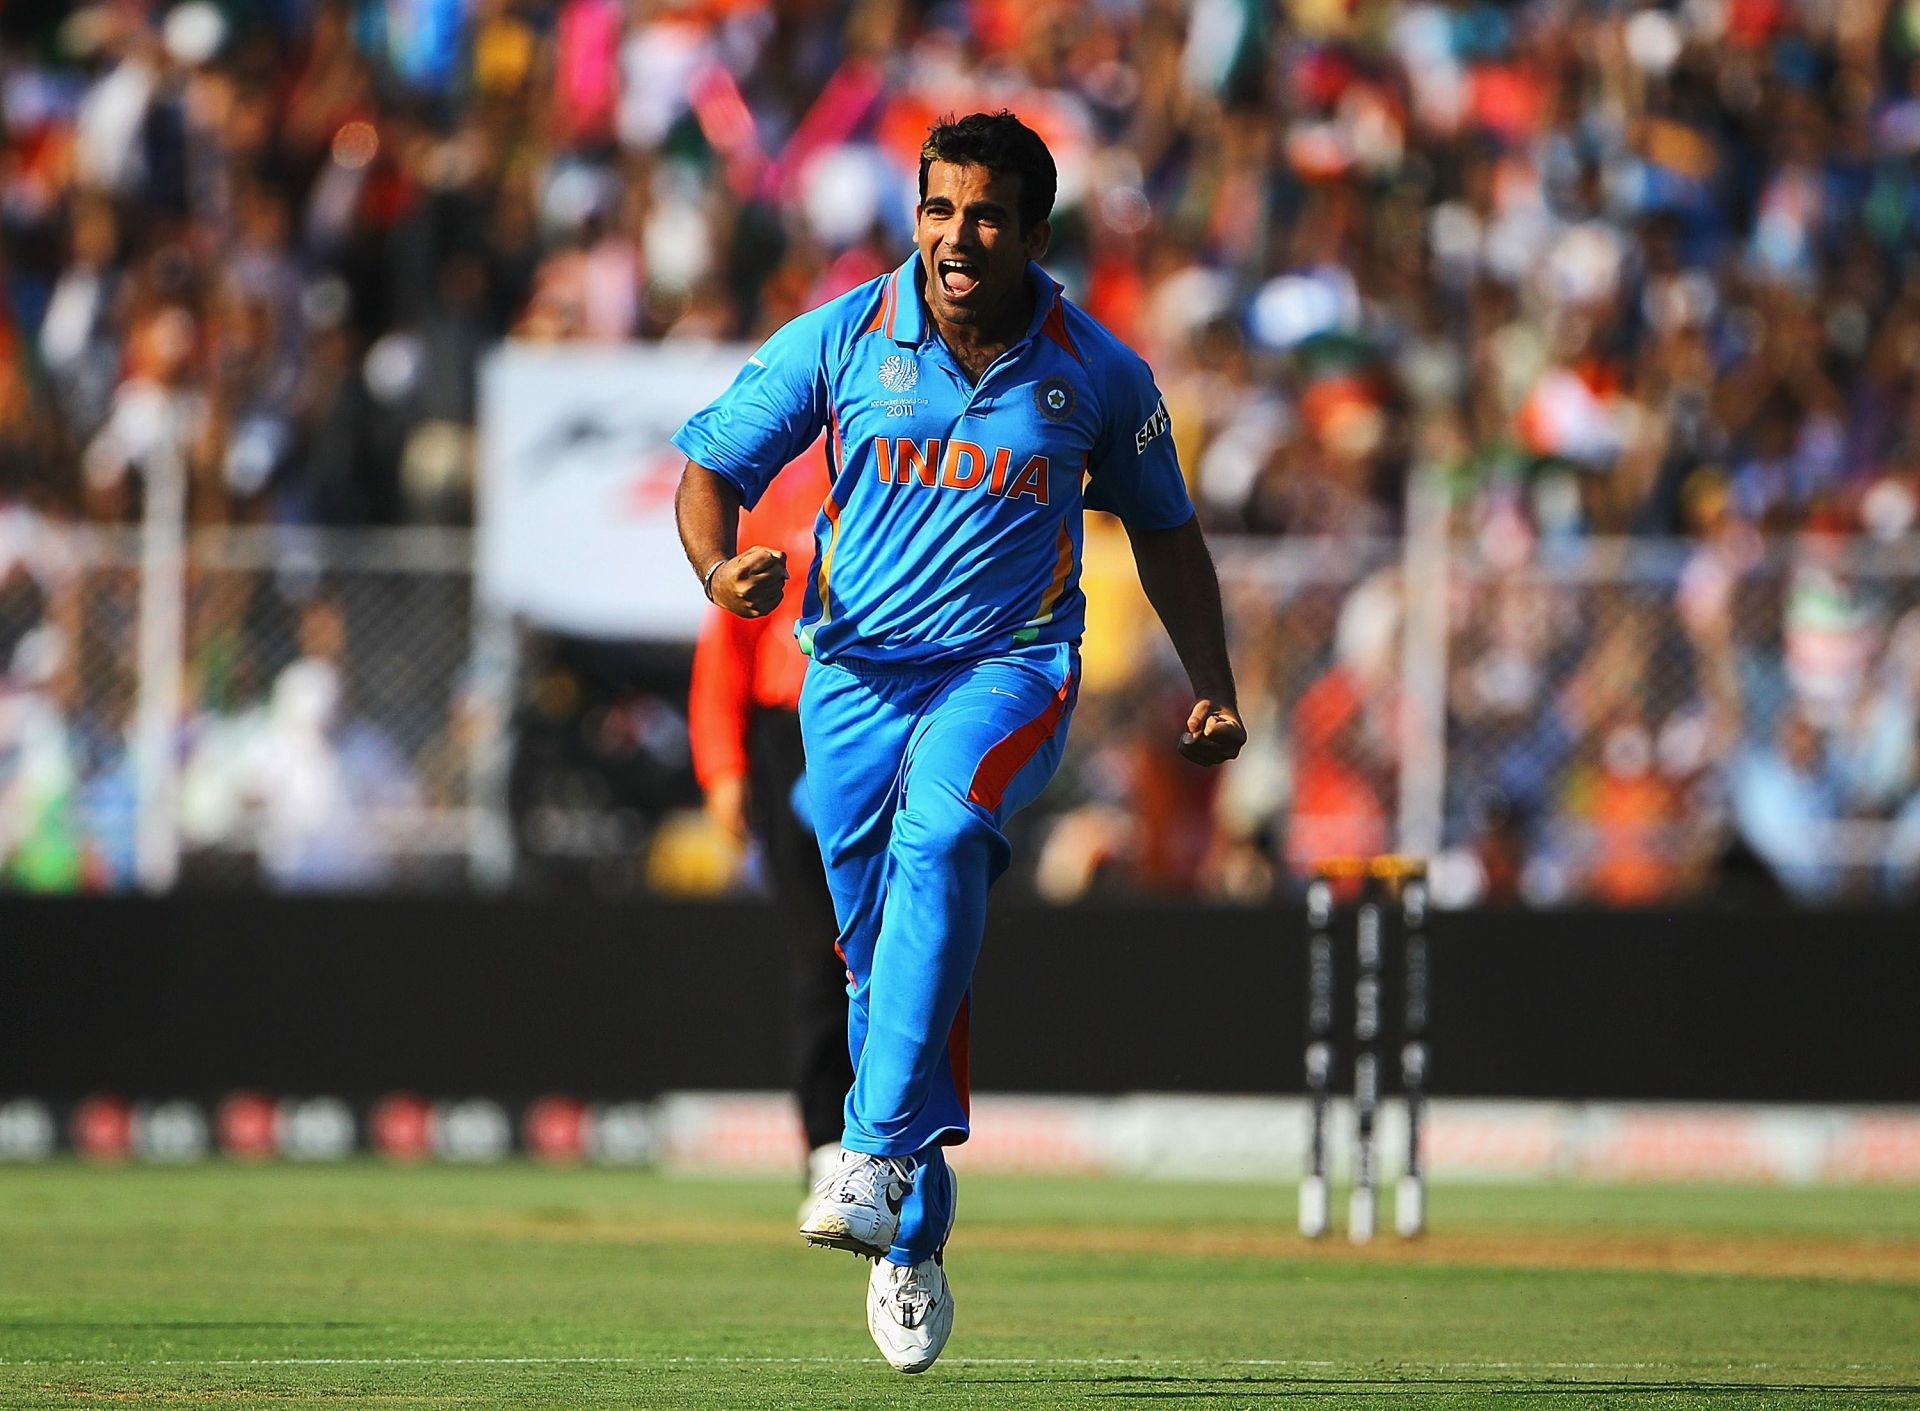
{"x": 825, "y": 1236}
{"x": 830, "y": 1230}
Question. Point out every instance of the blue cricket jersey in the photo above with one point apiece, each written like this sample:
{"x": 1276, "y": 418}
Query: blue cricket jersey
{"x": 952, "y": 529}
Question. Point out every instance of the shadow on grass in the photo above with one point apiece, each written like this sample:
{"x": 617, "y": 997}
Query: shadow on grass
{"x": 37, "y": 1326}
{"x": 1147, "y": 1388}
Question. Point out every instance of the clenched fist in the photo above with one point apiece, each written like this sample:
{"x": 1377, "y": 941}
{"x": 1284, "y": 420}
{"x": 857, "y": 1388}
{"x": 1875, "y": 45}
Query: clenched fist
{"x": 750, "y": 583}
{"x": 1214, "y": 733}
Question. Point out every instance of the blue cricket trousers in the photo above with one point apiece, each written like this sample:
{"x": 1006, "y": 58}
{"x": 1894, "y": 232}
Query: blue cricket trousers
{"x": 911, "y": 772}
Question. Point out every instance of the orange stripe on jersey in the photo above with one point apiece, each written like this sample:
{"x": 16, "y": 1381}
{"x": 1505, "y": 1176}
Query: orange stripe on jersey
{"x": 831, "y": 509}
{"x": 893, "y": 300}
{"x": 1011, "y": 755}
{"x": 1062, "y": 570}
{"x": 1055, "y": 328}
{"x": 879, "y": 310}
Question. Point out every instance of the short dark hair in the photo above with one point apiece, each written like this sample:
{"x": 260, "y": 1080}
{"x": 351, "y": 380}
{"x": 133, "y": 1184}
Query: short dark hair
{"x": 1000, "y": 142}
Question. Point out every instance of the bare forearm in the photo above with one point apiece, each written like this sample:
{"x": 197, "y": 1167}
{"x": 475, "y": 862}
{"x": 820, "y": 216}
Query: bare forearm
{"x": 1177, "y": 573}
{"x": 707, "y": 509}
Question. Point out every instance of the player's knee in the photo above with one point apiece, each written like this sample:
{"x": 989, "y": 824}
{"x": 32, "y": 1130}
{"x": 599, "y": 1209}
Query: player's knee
{"x": 944, "y": 823}
{"x": 959, "y": 835}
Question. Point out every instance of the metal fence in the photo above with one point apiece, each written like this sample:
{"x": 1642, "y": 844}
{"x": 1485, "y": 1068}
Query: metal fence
{"x": 1633, "y": 722}
{"x": 1615, "y": 720}
{"x": 311, "y": 726}
{"x": 1620, "y": 721}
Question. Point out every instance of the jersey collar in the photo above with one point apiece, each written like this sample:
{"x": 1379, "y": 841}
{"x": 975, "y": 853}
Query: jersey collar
{"x": 906, "y": 320}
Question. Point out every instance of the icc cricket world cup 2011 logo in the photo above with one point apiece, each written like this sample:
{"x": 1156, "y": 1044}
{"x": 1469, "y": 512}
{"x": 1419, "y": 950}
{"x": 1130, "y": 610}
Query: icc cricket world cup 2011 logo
{"x": 899, "y": 374}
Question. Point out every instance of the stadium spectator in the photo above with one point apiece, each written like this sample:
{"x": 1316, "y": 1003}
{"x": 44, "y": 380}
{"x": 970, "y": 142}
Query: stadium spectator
{"x": 319, "y": 784}
{"x": 1608, "y": 270}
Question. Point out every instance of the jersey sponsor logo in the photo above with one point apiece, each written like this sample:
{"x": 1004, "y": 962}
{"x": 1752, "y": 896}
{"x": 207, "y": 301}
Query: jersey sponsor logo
{"x": 1156, "y": 426}
{"x": 960, "y": 465}
{"x": 899, "y": 373}
{"x": 1053, "y": 398}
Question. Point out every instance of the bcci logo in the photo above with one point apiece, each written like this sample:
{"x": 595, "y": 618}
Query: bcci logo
{"x": 1053, "y": 399}
{"x": 899, "y": 374}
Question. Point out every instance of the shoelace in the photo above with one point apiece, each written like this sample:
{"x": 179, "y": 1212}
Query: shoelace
{"x": 909, "y": 1294}
{"x": 858, "y": 1181}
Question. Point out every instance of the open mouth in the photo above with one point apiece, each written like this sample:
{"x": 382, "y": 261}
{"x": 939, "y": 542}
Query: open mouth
{"x": 958, "y": 278}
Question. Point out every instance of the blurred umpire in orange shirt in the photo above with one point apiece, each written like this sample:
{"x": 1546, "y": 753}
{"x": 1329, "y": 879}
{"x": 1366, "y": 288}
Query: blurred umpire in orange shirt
{"x": 744, "y": 714}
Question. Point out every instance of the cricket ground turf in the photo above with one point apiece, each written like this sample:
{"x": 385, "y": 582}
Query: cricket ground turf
{"x": 524, "y": 1287}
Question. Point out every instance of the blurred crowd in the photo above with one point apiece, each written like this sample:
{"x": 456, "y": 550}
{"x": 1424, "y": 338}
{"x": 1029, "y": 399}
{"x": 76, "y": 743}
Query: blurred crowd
{"x": 1562, "y": 271}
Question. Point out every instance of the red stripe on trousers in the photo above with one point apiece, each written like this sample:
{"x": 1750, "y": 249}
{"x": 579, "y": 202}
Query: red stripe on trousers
{"x": 960, "y": 1053}
{"x": 1010, "y": 756}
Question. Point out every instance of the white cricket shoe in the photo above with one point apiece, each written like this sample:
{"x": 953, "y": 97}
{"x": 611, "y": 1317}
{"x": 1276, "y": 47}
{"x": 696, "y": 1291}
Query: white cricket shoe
{"x": 822, "y": 1162}
{"x": 909, "y": 1312}
{"x": 857, "y": 1206}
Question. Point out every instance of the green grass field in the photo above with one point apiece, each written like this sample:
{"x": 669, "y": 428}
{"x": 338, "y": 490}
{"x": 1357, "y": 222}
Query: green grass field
{"x": 522, "y": 1287}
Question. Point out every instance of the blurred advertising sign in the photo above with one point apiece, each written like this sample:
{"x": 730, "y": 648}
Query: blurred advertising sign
{"x": 577, "y": 480}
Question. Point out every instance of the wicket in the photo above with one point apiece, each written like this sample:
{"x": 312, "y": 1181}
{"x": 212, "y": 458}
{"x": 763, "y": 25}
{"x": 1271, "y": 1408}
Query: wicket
{"x": 1381, "y": 881}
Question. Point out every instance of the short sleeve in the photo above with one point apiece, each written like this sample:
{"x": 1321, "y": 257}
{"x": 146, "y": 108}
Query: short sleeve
{"x": 775, "y": 408}
{"x": 1135, "y": 473}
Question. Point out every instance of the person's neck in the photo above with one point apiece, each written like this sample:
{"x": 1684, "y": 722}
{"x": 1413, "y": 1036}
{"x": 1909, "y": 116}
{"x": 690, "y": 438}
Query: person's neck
{"x": 976, "y": 345}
